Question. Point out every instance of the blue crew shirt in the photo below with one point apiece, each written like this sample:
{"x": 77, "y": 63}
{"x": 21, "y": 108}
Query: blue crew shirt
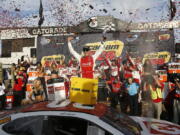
{"x": 132, "y": 89}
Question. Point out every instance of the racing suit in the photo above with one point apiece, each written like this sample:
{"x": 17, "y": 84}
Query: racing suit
{"x": 87, "y": 63}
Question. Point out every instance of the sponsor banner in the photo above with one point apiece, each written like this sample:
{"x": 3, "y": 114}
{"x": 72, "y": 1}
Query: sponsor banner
{"x": 157, "y": 25}
{"x": 49, "y": 60}
{"x": 112, "y": 49}
{"x": 132, "y": 37}
{"x": 164, "y": 37}
{"x": 162, "y": 75}
{"x": 48, "y": 30}
{"x": 158, "y": 58}
{"x": 174, "y": 68}
{"x": 59, "y": 91}
{"x": 137, "y": 44}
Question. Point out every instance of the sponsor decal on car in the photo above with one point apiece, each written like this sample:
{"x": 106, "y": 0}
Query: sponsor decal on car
{"x": 5, "y": 120}
{"x": 162, "y": 128}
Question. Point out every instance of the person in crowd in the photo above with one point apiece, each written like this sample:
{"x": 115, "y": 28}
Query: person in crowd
{"x": 114, "y": 69}
{"x": 148, "y": 71}
{"x": 97, "y": 72}
{"x": 7, "y": 77}
{"x": 18, "y": 90}
{"x": 152, "y": 98}
{"x": 13, "y": 68}
{"x": 105, "y": 68}
{"x": 36, "y": 95}
{"x": 156, "y": 94}
{"x": 24, "y": 75}
{"x": 54, "y": 69}
{"x": 74, "y": 69}
{"x": 126, "y": 70}
{"x": 134, "y": 68}
{"x": 41, "y": 77}
{"x": 176, "y": 105}
{"x": 169, "y": 100}
{"x": 16, "y": 72}
{"x": 115, "y": 91}
{"x": 137, "y": 69}
{"x": 25, "y": 62}
{"x": 2, "y": 95}
{"x": 71, "y": 61}
{"x": 103, "y": 90}
{"x": 87, "y": 62}
{"x": 147, "y": 79}
{"x": 146, "y": 100}
{"x": 64, "y": 72}
{"x": 133, "y": 89}
{"x": 147, "y": 68}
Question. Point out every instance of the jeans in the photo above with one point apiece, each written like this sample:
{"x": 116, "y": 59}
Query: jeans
{"x": 133, "y": 101}
{"x": 18, "y": 96}
{"x": 114, "y": 97}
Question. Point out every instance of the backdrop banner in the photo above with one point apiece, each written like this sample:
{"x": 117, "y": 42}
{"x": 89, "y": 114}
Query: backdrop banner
{"x": 136, "y": 43}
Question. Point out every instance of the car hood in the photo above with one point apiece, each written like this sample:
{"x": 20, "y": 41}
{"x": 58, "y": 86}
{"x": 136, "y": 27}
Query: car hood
{"x": 154, "y": 126}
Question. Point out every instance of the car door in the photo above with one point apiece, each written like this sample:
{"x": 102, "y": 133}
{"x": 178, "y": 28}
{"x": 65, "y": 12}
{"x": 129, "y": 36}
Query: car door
{"x": 58, "y": 125}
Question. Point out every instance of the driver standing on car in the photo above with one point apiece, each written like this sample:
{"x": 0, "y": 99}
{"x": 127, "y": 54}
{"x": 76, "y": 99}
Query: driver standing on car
{"x": 87, "y": 61}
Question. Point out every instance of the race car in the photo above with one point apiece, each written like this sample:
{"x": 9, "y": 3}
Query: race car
{"x": 44, "y": 118}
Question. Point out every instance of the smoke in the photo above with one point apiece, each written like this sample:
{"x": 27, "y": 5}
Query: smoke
{"x": 44, "y": 41}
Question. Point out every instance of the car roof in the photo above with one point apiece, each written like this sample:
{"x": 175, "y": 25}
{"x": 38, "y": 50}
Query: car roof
{"x": 98, "y": 110}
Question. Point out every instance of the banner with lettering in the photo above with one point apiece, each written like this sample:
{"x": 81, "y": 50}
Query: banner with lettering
{"x": 47, "y": 61}
{"x": 117, "y": 43}
{"x": 158, "y": 58}
{"x": 112, "y": 49}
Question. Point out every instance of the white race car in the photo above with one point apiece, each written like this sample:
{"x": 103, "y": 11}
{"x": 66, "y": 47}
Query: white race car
{"x": 41, "y": 119}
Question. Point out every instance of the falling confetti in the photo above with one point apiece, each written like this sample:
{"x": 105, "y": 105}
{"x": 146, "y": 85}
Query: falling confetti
{"x": 105, "y": 11}
{"x": 16, "y": 9}
{"x": 91, "y": 6}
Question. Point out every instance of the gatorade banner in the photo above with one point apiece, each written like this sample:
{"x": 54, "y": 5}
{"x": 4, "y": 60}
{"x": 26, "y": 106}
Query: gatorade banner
{"x": 112, "y": 49}
{"x": 158, "y": 58}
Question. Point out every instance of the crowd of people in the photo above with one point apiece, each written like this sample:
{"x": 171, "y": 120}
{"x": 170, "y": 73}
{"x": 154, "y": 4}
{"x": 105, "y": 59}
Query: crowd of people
{"x": 126, "y": 84}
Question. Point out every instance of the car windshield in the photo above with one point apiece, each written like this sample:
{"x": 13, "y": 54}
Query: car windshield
{"x": 122, "y": 122}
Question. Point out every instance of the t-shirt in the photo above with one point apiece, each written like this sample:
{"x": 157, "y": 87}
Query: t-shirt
{"x": 132, "y": 88}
